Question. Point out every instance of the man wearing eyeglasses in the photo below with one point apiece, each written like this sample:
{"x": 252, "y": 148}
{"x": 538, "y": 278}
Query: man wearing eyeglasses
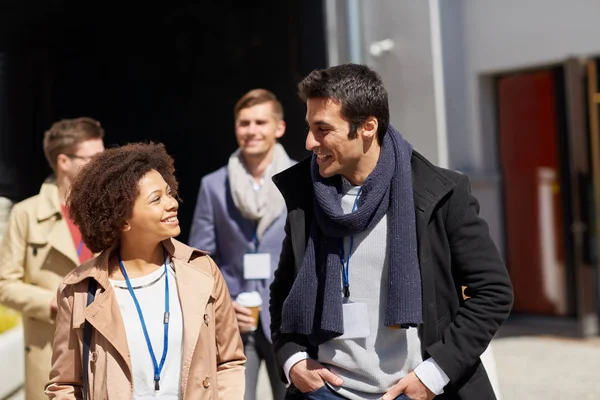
{"x": 41, "y": 245}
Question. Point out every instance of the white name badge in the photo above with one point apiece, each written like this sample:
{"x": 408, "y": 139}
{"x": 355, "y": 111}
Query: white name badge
{"x": 257, "y": 266}
{"x": 357, "y": 324}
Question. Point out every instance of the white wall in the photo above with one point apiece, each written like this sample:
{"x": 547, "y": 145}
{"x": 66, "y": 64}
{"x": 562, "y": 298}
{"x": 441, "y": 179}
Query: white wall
{"x": 502, "y": 36}
{"x": 407, "y": 69}
{"x": 507, "y": 35}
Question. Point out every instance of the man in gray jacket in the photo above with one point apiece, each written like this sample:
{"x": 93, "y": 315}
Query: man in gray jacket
{"x": 240, "y": 218}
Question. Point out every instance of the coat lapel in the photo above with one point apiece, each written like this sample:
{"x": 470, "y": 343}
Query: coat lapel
{"x": 292, "y": 183}
{"x": 105, "y": 316}
{"x": 429, "y": 188}
{"x": 59, "y": 237}
{"x": 195, "y": 288}
{"x": 298, "y": 235}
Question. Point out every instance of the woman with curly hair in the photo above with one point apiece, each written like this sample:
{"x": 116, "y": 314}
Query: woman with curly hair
{"x": 150, "y": 317}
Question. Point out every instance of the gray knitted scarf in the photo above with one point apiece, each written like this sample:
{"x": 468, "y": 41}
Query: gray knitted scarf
{"x": 314, "y": 304}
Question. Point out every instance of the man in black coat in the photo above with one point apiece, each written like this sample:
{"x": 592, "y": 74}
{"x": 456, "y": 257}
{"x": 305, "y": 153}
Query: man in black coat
{"x": 367, "y": 300}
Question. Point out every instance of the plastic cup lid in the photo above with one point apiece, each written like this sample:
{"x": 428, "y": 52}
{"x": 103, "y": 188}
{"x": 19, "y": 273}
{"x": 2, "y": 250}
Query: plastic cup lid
{"x": 249, "y": 299}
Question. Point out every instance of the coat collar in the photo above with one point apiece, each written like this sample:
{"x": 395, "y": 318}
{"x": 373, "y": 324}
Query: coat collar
{"x": 430, "y": 184}
{"x": 97, "y": 267}
{"x": 48, "y": 209}
{"x": 49, "y": 205}
{"x": 295, "y": 185}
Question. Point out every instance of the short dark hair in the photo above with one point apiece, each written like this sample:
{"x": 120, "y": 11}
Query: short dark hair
{"x": 357, "y": 88}
{"x": 104, "y": 191}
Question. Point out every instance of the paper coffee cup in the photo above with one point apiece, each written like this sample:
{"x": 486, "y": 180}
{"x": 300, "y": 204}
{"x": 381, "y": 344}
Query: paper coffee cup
{"x": 253, "y": 301}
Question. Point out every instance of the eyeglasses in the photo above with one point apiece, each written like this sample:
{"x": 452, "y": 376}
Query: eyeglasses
{"x": 84, "y": 158}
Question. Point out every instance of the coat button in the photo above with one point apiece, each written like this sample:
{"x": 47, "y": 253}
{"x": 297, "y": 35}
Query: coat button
{"x": 94, "y": 356}
{"x": 206, "y": 383}
{"x": 206, "y": 319}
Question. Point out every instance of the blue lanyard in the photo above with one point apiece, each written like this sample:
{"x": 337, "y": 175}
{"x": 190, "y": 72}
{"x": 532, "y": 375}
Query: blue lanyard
{"x": 157, "y": 368}
{"x": 346, "y": 262}
{"x": 79, "y": 248}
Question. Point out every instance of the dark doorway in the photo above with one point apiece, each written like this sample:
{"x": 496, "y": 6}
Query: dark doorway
{"x": 164, "y": 72}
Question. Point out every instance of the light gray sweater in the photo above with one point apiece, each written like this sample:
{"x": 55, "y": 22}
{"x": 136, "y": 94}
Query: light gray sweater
{"x": 370, "y": 366}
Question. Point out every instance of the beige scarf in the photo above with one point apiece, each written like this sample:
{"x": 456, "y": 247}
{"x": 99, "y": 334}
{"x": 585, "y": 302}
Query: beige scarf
{"x": 264, "y": 205}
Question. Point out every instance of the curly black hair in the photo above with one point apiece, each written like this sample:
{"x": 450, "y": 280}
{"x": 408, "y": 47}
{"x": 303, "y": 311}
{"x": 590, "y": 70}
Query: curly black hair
{"x": 104, "y": 191}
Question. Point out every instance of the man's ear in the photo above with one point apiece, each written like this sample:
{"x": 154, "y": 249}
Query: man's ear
{"x": 368, "y": 129}
{"x": 280, "y": 129}
{"x": 62, "y": 161}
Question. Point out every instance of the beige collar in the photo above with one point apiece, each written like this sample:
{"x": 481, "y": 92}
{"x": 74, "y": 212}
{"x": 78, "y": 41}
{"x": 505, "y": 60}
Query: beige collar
{"x": 49, "y": 205}
{"x": 97, "y": 267}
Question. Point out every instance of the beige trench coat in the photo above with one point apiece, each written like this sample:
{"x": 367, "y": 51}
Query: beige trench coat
{"x": 36, "y": 253}
{"x": 212, "y": 352}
